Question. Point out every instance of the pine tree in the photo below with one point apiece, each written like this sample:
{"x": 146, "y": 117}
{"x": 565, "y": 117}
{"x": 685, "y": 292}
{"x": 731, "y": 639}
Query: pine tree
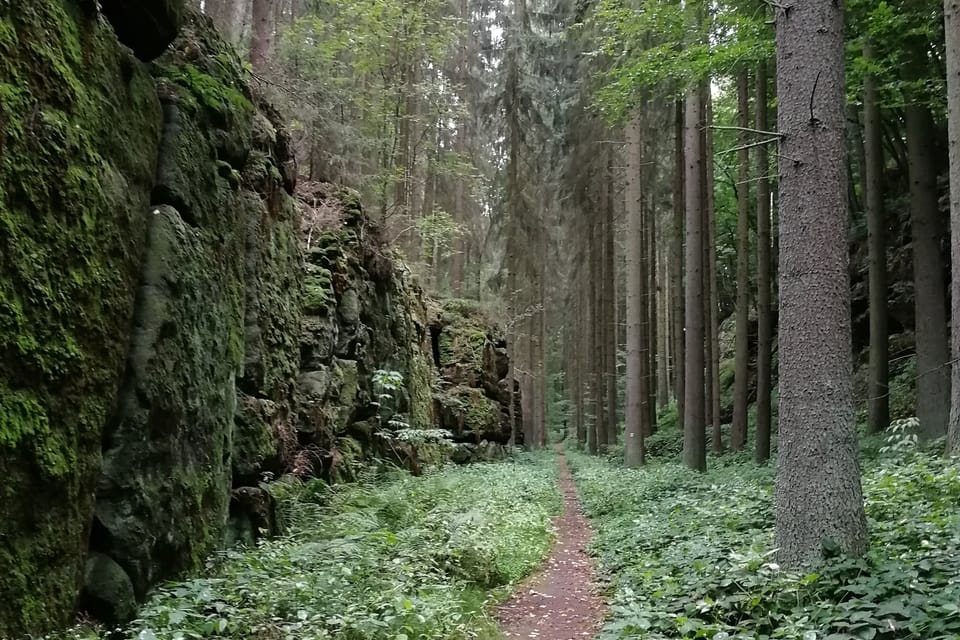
{"x": 818, "y": 496}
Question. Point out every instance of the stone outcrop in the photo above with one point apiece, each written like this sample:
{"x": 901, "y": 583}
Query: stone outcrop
{"x": 170, "y": 333}
{"x": 362, "y": 314}
{"x": 149, "y": 279}
{"x": 473, "y": 398}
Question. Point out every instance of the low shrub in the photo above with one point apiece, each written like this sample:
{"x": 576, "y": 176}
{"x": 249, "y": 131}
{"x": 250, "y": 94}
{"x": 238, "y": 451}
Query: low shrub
{"x": 402, "y": 558}
{"x": 690, "y": 555}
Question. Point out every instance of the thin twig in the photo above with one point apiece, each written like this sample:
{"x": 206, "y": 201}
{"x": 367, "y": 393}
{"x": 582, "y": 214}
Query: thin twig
{"x": 772, "y": 176}
{"x": 793, "y": 160}
{"x": 761, "y": 132}
{"x": 749, "y": 145}
{"x": 813, "y": 93}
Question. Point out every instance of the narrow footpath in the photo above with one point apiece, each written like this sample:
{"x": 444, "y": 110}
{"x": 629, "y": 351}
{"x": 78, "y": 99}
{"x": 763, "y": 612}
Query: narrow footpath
{"x": 562, "y": 602}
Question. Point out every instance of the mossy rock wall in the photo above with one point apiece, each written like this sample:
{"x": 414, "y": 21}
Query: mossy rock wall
{"x": 362, "y": 314}
{"x": 79, "y": 130}
{"x": 149, "y": 301}
{"x": 165, "y": 339}
{"x": 473, "y": 399}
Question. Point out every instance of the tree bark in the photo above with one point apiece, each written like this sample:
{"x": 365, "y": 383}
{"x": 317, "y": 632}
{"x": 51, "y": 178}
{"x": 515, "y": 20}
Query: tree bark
{"x": 262, "y": 43}
{"x": 648, "y": 407}
{"x": 610, "y": 306}
{"x": 951, "y": 13}
{"x": 651, "y": 297}
{"x": 818, "y": 499}
{"x": 711, "y": 311}
{"x": 933, "y": 377}
{"x": 878, "y": 405}
{"x": 634, "y": 451}
{"x": 677, "y": 262}
{"x": 764, "y": 298}
{"x": 599, "y": 322}
{"x": 694, "y": 434}
{"x": 663, "y": 327}
{"x": 738, "y": 428}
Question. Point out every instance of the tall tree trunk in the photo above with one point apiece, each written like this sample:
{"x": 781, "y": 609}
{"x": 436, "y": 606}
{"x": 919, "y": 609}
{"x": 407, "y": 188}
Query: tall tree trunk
{"x": 951, "y": 12}
{"x": 634, "y": 451}
{"x": 648, "y": 407}
{"x": 459, "y": 217}
{"x": 583, "y": 343}
{"x": 677, "y": 261}
{"x": 663, "y": 326}
{"x": 610, "y": 305}
{"x": 933, "y": 377}
{"x": 651, "y": 260}
{"x": 711, "y": 316}
{"x": 222, "y": 13}
{"x": 764, "y": 299}
{"x": 263, "y": 28}
{"x": 694, "y": 434}
{"x": 877, "y": 386}
{"x": 738, "y": 428}
{"x": 818, "y": 496}
{"x": 599, "y": 396}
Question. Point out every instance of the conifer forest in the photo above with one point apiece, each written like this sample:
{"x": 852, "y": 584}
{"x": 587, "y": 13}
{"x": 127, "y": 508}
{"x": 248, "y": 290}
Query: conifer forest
{"x": 479, "y": 319}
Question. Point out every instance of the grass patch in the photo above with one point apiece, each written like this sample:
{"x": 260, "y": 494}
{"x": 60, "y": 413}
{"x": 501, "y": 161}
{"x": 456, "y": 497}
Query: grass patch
{"x": 397, "y": 558}
{"x": 690, "y": 556}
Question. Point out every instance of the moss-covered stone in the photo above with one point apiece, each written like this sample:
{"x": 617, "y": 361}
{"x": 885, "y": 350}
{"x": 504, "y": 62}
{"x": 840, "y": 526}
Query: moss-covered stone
{"x": 166, "y": 464}
{"x": 79, "y": 129}
{"x": 469, "y": 414}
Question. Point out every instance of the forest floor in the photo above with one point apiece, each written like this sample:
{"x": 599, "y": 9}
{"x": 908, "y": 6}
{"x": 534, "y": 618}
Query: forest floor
{"x": 561, "y": 602}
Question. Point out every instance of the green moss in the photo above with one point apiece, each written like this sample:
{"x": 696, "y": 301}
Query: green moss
{"x": 420, "y": 389}
{"x": 317, "y": 290}
{"x": 464, "y": 309}
{"x": 24, "y": 422}
{"x": 480, "y": 412}
{"x": 79, "y": 128}
{"x": 208, "y": 90}
{"x": 464, "y": 344}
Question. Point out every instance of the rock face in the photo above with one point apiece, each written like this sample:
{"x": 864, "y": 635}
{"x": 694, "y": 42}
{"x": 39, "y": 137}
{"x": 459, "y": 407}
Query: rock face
{"x": 149, "y": 277}
{"x": 474, "y": 396}
{"x": 80, "y": 122}
{"x": 169, "y": 331}
{"x": 361, "y": 315}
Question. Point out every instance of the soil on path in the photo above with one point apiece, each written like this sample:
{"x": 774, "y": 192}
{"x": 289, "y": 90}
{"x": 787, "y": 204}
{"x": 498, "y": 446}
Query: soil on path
{"x": 562, "y": 602}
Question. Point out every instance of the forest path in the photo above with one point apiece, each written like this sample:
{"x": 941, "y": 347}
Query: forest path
{"x": 562, "y": 602}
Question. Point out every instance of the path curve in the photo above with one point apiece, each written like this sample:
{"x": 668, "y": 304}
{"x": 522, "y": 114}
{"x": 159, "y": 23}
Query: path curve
{"x": 562, "y": 602}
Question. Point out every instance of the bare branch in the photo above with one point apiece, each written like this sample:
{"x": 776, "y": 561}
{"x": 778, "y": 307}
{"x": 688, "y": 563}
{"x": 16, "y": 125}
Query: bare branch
{"x": 761, "y": 132}
{"x": 749, "y": 145}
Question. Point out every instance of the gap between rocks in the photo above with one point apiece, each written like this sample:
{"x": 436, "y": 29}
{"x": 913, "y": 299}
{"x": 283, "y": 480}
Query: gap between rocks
{"x": 562, "y": 601}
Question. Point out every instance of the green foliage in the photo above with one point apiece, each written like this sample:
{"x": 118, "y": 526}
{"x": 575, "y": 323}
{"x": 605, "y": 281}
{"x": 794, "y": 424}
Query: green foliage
{"x": 690, "y": 556}
{"x": 403, "y": 557}
{"x": 655, "y": 47}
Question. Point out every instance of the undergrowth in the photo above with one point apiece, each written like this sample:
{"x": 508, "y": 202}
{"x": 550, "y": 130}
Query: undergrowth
{"x": 402, "y": 558}
{"x": 690, "y": 556}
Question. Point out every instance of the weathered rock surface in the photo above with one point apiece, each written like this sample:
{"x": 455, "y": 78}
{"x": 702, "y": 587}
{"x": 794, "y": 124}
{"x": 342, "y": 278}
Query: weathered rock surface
{"x": 149, "y": 276}
{"x": 474, "y": 397}
{"x": 362, "y": 314}
{"x": 170, "y": 335}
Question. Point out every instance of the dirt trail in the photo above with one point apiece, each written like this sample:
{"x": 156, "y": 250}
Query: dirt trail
{"x": 562, "y": 601}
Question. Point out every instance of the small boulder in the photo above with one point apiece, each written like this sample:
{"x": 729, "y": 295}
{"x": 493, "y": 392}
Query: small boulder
{"x": 107, "y": 590}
